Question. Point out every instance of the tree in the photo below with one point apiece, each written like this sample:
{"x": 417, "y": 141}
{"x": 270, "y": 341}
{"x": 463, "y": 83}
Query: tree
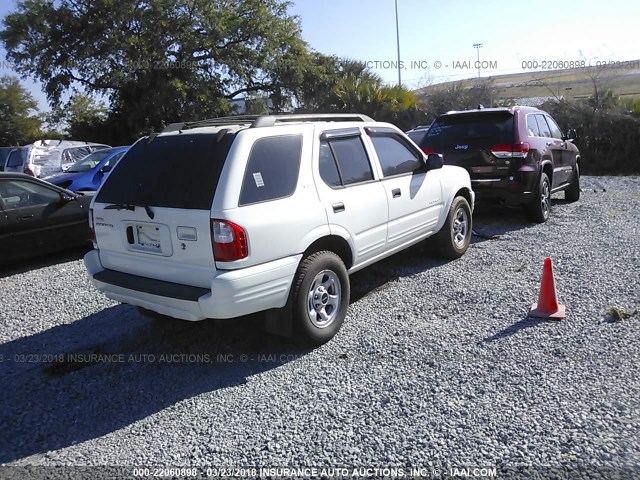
{"x": 19, "y": 122}
{"x": 157, "y": 61}
{"x": 80, "y": 118}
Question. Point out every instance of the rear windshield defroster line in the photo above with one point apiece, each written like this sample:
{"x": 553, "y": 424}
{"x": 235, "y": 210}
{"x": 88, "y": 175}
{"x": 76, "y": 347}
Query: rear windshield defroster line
{"x": 175, "y": 171}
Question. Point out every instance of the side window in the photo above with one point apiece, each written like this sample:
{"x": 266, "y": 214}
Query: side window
{"x": 542, "y": 126}
{"x": 328, "y": 168}
{"x": 555, "y": 129}
{"x": 272, "y": 169}
{"x": 395, "y": 157}
{"x": 72, "y": 155}
{"x": 113, "y": 160}
{"x": 532, "y": 126}
{"x": 19, "y": 194}
{"x": 351, "y": 158}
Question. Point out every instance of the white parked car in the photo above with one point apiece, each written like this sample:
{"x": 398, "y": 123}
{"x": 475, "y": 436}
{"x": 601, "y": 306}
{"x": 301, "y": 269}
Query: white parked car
{"x": 46, "y": 157}
{"x": 226, "y": 217}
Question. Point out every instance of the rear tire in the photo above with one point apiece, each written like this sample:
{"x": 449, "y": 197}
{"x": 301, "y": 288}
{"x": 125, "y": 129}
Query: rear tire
{"x": 572, "y": 193}
{"x": 453, "y": 239}
{"x": 539, "y": 209}
{"x": 320, "y": 298}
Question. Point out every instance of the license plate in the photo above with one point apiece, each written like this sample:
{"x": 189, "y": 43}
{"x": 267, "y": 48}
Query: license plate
{"x": 148, "y": 238}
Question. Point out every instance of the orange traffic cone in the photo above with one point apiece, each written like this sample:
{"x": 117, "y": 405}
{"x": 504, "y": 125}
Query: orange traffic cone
{"x": 547, "y": 306}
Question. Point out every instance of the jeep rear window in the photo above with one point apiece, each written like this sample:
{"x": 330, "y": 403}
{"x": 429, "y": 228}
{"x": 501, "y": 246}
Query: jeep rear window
{"x": 473, "y": 131}
{"x": 175, "y": 171}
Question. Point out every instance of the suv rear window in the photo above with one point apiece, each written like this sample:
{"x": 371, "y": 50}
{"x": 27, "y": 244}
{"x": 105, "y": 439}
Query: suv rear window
{"x": 272, "y": 169}
{"x": 175, "y": 171}
{"x": 475, "y": 130}
{"x": 17, "y": 157}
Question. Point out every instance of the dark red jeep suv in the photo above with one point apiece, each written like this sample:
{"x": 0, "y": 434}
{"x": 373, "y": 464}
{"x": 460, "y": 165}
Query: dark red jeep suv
{"x": 515, "y": 155}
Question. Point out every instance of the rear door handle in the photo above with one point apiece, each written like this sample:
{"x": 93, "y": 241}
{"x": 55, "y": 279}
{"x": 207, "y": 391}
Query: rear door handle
{"x": 25, "y": 217}
{"x": 338, "y": 207}
{"x": 395, "y": 193}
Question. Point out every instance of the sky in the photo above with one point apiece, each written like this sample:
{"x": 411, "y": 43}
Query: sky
{"x": 437, "y": 37}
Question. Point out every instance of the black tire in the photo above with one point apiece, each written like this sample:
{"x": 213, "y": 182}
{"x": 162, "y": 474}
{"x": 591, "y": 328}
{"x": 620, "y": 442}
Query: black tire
{"x": 572, "y": 193}
{"x": 453, "y": 239}
{"x": 540, "y": 207}
{"x": 320, "y": 277}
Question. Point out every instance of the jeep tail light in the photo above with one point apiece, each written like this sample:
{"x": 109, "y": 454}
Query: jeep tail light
{"x": 92, "y": 230}
{"x": 511, "y": 150}
{"x": 229, "y": 241}
{"x": 428, "y": 150}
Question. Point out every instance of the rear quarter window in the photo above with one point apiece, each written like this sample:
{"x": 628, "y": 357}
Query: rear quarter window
{"x": 272, "y": 169}
{"x": 175, "y": 171}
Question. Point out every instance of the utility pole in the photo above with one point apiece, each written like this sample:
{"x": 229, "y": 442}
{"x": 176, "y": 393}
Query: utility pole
{"x": 478, "y": 46}
{"x": 398, "y": 44}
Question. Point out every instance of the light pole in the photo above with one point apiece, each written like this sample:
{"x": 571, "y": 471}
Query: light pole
{"x": 398, "y": 44}
{"x": 478, "y": 46}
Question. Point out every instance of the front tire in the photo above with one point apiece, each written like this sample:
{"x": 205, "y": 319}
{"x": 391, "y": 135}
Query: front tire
{"x": 453, "y": 239}
{"x": 539, "y": 209}
{"x": 572, "y": 193}
{"x": 320, "y": 298}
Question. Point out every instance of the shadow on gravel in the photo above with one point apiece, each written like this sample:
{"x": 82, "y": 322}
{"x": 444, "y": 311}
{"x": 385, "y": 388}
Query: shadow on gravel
{"x": 527, "y": 322}
{"x": 492, "y": 221}
{"x": 83, "y": 380}
{"x": 381, "y": 275}
{"x": 7, "y": 270}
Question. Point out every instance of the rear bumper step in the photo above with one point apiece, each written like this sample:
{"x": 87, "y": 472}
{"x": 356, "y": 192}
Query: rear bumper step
{"x": 151, "y": 286}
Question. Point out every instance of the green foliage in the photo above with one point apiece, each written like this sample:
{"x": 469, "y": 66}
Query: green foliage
{"x": 457, "y": 96}
{"x": 161, "y": 61}
{"x": 80, "y": 118}
{"x": 608, "y": 140}
{"x": 19, "y": 123}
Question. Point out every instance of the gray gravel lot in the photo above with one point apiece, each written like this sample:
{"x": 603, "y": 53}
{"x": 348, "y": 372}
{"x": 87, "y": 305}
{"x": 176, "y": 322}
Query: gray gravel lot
{"x": 436, "y": 364}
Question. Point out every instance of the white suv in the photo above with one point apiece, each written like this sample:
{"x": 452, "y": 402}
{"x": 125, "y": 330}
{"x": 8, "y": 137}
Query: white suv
{"x": 230, "y": 216}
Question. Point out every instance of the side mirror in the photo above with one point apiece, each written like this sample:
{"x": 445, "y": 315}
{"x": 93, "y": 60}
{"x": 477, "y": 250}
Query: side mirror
{"x": 106, "y": 169}
{"x": 66, "y": 198}
{"x": 571, "y": 134}
{"x": 434, "y": 160}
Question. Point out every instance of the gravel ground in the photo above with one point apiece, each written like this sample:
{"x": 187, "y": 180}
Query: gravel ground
{"x": 436, "y": 364}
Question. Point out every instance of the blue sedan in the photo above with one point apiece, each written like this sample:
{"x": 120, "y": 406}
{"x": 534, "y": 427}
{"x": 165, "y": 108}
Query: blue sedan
{"x": 88, "y": 173}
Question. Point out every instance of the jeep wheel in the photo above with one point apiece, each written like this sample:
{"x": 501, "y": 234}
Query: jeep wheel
{"x": 320, "y": 298}
{"x": 455, "y": 236}
{"x": 538, "y": 210}
{"x": 572, "y": 193}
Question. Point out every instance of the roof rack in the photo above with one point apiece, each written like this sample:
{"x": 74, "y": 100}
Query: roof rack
{"x": 256, "y": 121}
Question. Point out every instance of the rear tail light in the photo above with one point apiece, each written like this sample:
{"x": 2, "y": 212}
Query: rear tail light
{"x": 229, "y": 241}
{"x": 428, "y": 150}
{"x": 92, "y": 231}
{"x": 511, "y": 150}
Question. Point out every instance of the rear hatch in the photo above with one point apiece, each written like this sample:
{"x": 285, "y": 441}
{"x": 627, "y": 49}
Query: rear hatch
{"x": 152, "y": 214}
{"x": 480, "y": 142}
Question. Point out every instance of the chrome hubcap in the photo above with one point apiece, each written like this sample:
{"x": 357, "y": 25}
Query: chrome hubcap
{"x": 545, "y": 199}
{"x": 323, "y": 299}
{"x": 460, "y": 227}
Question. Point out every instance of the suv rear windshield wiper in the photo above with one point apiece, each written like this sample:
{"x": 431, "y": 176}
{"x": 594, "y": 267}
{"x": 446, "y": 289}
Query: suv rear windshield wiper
{"x": 124, "y": 206}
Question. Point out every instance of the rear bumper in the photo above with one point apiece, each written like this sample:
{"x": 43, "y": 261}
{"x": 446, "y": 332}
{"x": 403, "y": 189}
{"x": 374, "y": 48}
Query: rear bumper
{"x": 233, "y": 293}
{"x": 516, "y": 188}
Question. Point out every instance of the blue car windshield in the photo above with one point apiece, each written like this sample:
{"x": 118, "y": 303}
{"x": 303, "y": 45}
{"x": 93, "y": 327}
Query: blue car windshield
{"x": 89, "y": 162}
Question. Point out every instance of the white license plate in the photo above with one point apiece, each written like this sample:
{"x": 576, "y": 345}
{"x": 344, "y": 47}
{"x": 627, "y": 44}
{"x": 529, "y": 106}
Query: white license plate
{"x": 148, "y": 238}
